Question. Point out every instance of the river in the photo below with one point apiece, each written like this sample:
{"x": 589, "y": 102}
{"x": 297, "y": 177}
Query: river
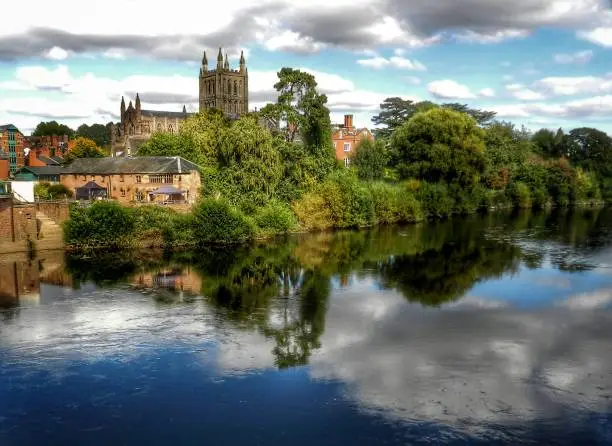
{"x": 491, "y": 329}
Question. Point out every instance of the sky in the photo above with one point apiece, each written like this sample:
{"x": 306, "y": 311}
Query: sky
{"x": 538, "y": 63}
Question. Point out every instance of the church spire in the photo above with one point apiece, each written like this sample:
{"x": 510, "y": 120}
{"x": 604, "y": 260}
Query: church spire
{"x": 242, "y": 62}
{"x": 204, "y": 59}
{"x": 226, "y": 65}
{"x": 137, "y": 103}
{"x": 122, "y": 107}
{"x": 220, "y": 59}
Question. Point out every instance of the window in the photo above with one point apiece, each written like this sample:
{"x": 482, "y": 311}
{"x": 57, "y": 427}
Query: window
{"x": 347, "y": 162}
{"x": 11, "y": 136}
{"x": 122, "y": 192}
{"x": 139, "y": 196}
{"x": 138, "y": 179}
{"x": 166, "y": 178}
{"x": 84, "y": 178}
{"x": 121, "y": 178}
{"x": 347, "y": 146}
{"x": 93, "y": 178}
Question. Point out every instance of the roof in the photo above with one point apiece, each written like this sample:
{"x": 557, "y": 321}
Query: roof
{"x": 162, "y": 114}
{"x": 130, "y": 165}
{"x": 58, "y": 159}
{"x": 44, "y": 170}
{"x": 92, "y": 185}
{"x": 166, "y": 190}
{"x": 48, "y": 161}
{"x": 4, "y": 127}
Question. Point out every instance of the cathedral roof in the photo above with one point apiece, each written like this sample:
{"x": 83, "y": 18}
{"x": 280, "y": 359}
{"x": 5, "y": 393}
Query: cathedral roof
{"x": 164, "y": 114}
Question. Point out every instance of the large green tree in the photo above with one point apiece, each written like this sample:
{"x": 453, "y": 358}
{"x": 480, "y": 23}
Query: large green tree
{"x": 552, "y": 144}
{"x": 591, "y": 149}
{"x": 99, "y": 133}
{"x": 370, "y": 159}
{"x": 51, "y": 128}
{"x": 83, "y": 148}
{"x": 441, "y": 145}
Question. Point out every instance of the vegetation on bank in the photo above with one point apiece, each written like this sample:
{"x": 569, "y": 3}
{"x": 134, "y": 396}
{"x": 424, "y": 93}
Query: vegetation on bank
{"x": 429, "y": 161}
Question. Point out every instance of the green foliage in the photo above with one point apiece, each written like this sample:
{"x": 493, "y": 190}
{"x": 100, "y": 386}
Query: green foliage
{"x": 83, "y": 148}
{"x": 394, "y": 204}
{"x": 435, "y": 200}
{"x": 48, "y": 191}
{"x": 441, "y": 145}
{"x": 216, "y": 221}
{"x": 591, "y": 149}
{"x": 98, "y": 133}
{"x": 51, "y": 128}
{"x": 519, "y": 194}
{"x": 370, "y": 160}
{"x": 275, "y": 218}
{"x": 159, "y": 225}
{"x": 103, "y": 224}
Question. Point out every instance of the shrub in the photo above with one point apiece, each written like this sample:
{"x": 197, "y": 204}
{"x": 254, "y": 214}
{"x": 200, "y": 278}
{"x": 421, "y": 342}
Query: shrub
{"x": 394, "y": 204}
{"x": 156, "y": 222}
{"x": 313, "y": 212}
{"x": 216, "y": 221}
{"x": 276, "y": 218}
{"x": 348, "y": 199}
{"x": 102, "y": 224}
{"x": 519, "y": 194}
{"x": 435, "y": 200}
{"x": 48, "y": 191}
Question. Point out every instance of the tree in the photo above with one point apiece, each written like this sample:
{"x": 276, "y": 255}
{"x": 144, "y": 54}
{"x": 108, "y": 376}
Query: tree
{"x": 441, "y": 145}
{"x": 370, "y": 159}
{"x": 393, "y": 113}
{"x": 99, "y": 133}
{"x": 591, "y": 149}
{"x": 552, "y": 144}
{"x": 83, "y": 148}
{"x": 51, "y": 128}
{"x": 482, "y": 117}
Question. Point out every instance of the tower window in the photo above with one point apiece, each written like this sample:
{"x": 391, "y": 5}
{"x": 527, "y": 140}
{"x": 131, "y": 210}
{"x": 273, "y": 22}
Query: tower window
{"x": 235, "y": 88}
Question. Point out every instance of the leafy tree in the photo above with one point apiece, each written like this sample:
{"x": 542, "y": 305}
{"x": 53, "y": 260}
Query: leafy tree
{"x": 552, "y": 144}
{"x": 370, "y": 159}
{"x": 51, "y": 128}
{"x": 482, "y": 117}
{"x": 507, "y": 148}
{"x": 441, "y": 145}
{"x": 591, "y": 149}
{"x": 83, "y": 148}
{"x": 99, "y": 133}
{"x": 393, "y": 113}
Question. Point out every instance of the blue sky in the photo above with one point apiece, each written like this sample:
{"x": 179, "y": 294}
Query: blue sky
{"x": 538, "y": 63}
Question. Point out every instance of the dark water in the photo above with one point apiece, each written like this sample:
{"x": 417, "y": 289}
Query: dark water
{"x": 488, "y": 330}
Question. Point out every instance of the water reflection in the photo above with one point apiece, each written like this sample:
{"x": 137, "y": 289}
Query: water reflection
{"x": 496, "y": 327}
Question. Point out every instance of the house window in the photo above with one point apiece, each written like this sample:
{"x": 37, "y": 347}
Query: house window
{"x": 122, "y": 192}
{"x": 121, "y": 178}
{"x": 347, "y": 146}
{"x": 166, "y": 178}
{"x": 84, "y": 177}
{"x": 103, "y": 178}
{"x": 93, "y": 178}
{"x": 138, "y": 179}
{"x": 139, "y": 196}
{"x": 347, "y": 162}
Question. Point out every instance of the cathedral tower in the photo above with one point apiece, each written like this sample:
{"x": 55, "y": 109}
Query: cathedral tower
{"x": 224, "y": 88}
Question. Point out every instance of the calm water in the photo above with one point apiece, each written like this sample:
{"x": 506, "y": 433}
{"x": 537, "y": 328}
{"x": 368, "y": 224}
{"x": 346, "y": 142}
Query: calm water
{"x": 488, "y": 330}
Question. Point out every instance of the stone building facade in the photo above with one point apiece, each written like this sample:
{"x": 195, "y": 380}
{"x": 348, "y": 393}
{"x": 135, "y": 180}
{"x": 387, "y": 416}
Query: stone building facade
{"x": 134, "y": 179}
{"x": 346, "y": 139}
{"x": 223, "y": 88}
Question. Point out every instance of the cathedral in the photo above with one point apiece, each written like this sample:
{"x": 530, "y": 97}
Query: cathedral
{"x": 222, "y": 88}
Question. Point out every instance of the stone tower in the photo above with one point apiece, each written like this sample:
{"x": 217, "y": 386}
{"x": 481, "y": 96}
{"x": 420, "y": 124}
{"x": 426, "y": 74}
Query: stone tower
{"x": 224, "y": 88}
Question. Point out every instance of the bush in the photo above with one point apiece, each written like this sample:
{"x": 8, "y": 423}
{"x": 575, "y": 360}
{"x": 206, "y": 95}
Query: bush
{"x": 394, "y": 204}
{"x": 519, "y": 195}
{"x": 216, "y": 221}
{"x": 348, "y": 199}
{"x": 275, "y": 218}
{"x": 435, "y": 200}
{"x": 102, "y": 224}
{"x": 313, "y": 213}
{"x": 156, "y": 223}
{"x": 48, "y": 191}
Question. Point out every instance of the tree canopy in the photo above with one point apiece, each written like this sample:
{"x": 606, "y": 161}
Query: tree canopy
{"x": 51, "y": 128}
{"x": 99, "y": 133}
{"x": 83, "y": 148}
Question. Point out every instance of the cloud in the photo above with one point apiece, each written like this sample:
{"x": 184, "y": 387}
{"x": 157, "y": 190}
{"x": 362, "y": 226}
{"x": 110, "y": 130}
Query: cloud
{"x": 413, "y": 80}
{"x": 282, "y": 25}
{"x": 90, "y": 98}
{"x": 578, "y": 58}
{"x": 597, "y": 107}
{"x": 522, "y": 93}
{"x": 568, "y": 86}
{"x": 449, "y": 89}
{"x": 487, "y": 93}
{"x": 378, "y": 62}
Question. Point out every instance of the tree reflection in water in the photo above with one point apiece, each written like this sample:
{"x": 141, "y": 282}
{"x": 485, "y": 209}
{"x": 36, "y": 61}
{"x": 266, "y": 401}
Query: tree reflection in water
{"x": 281, "y": 288}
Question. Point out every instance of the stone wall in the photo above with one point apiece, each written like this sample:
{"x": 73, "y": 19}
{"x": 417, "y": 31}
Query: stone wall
{"x": 58, "y": 211}
{"x": 6, "y": 220}
{"x": 24, "y": 222}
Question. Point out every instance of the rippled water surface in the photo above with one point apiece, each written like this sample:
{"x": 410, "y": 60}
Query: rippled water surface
{"x": 487, "y": 330}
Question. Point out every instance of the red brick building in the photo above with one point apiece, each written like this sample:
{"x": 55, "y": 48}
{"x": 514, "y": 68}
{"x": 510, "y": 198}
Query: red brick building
{"x": 346, "y": 139}
{"x": 12, "y": 143}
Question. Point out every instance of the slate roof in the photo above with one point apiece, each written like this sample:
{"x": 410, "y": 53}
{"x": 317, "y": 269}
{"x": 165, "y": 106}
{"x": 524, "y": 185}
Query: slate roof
{"x": 48, "y": 161}
{"x": 44, "y": 170}
{"x": 163, "y": 114}
{"x": 131, "y": 165}
{"x": 57, "y": 159}
{"x": 92, "y": 185}
{"x": 5, "y": 127}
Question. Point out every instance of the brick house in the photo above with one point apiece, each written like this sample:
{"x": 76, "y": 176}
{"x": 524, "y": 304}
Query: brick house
{"x": 137, "y": 179}
{"x": 12, "y": 142}
{"x": 346, "y": 139}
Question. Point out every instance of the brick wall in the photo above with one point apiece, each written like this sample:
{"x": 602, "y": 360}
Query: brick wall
{"x": 6, "y": 226}
{"x": 4, "y": 169}
{"x": 58, "y": 211}
{"x": 24, "y": 222}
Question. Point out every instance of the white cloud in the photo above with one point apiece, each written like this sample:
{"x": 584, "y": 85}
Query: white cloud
{"x": 57, "y": 53}
{"x": 522, "y": 93}
{"x": 413, "y": 80}
{"x": 494, "y": 37}
{"x": 600, "y": 36}
{"x": 378, "y": 62}
{"x": 487, "y": 93}
{"x": 449, "y": 89}
{"x": 567, "y": 86}
{"x": 579, "y": 58}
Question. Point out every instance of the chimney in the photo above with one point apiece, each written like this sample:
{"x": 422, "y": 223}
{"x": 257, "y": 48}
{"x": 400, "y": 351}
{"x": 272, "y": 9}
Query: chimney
{"x": 348, "y": 121}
